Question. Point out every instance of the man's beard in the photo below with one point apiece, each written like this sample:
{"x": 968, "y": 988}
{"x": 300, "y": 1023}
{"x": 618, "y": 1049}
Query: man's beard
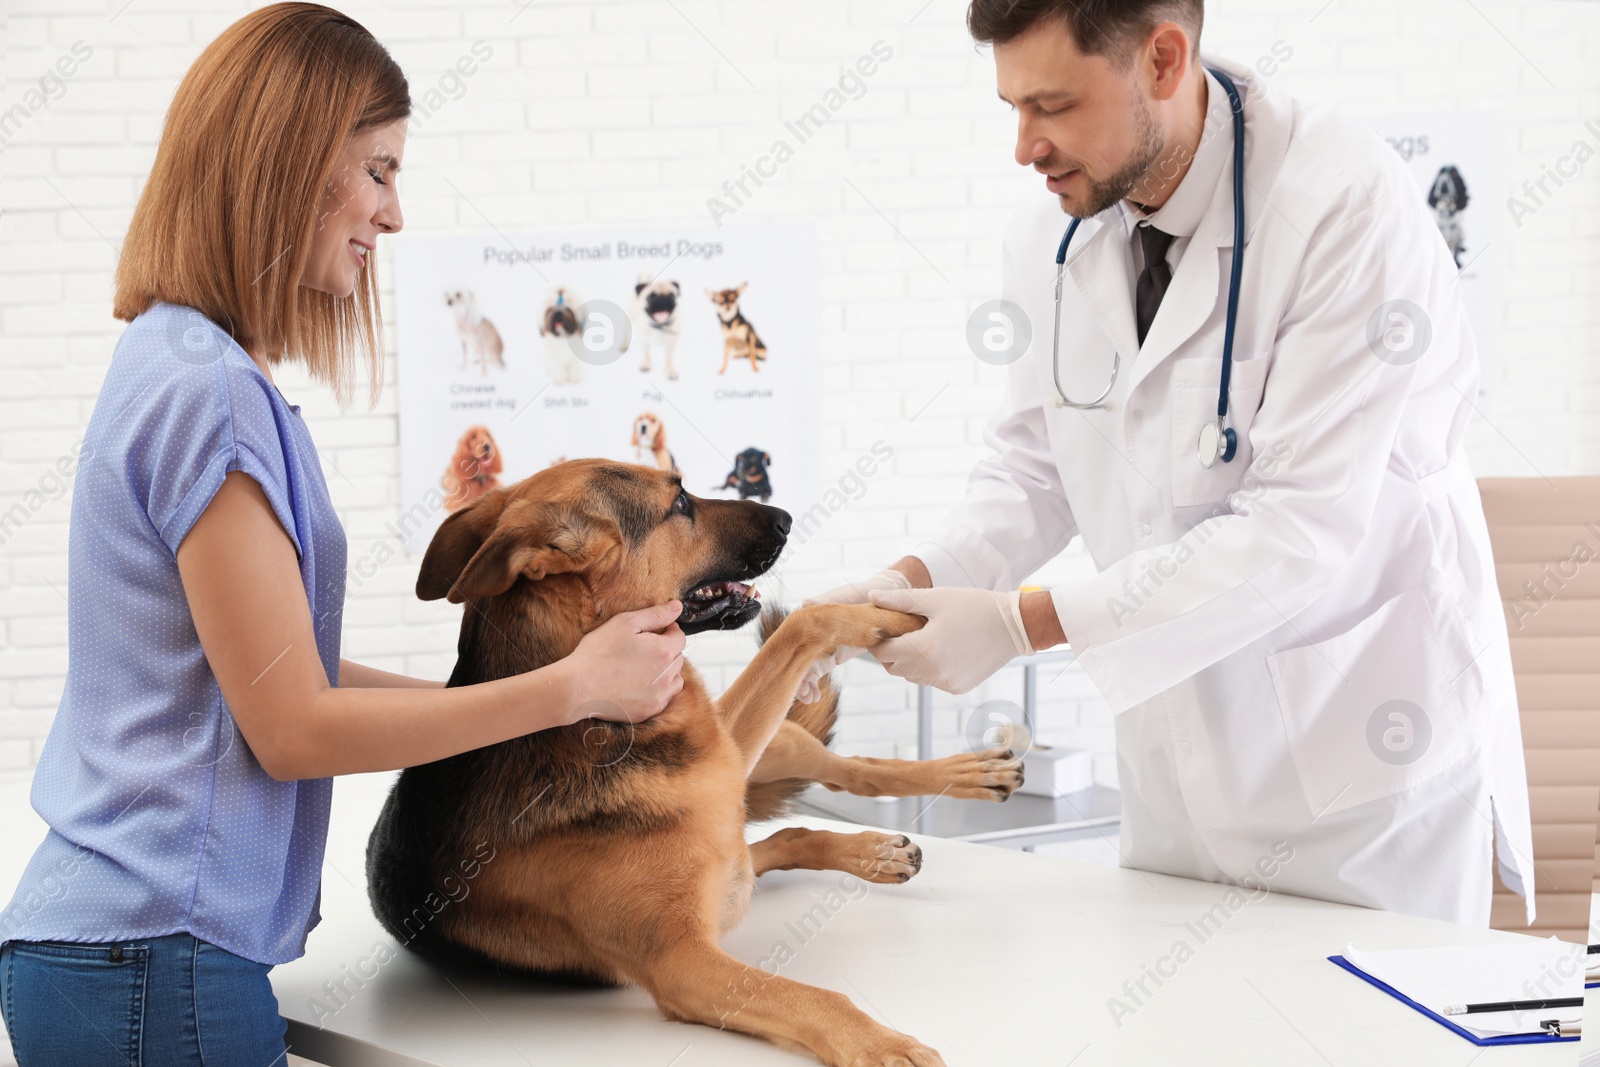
{"x": 1103, "y": 194}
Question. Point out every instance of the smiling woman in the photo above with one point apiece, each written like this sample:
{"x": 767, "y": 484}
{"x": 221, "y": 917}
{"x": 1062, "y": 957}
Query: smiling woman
{"x": 272, "y": 123}
{"x": 206, "y": 704}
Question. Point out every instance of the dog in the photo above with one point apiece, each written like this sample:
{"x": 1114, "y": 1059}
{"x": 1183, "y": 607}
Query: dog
{"x": 478, "y": 335}
{"x": 473, "y": 468}
{"x": 749, "y": 475}
{"x": 557, "y": 325}
{"x": 739, "y": 338}
{"x": 655, "y": 320}
{"x": 610, "y": 854}
{"x": 1448, "y": 198}
{"x": 649, "y": 435}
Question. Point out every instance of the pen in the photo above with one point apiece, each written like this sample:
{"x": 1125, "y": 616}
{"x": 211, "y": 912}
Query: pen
{"x": 1514, "y": 1005}
{"x": 1557, "y": 1028}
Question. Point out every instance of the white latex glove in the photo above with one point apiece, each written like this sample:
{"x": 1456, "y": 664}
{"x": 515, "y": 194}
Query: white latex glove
{"x": 848, "y": 593}
{"x": 971, "y": 633}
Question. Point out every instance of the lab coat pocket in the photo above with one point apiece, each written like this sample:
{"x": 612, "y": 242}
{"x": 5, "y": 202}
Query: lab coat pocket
{"x": 1373, "y": 711}
{"x": 1194, "y": 403}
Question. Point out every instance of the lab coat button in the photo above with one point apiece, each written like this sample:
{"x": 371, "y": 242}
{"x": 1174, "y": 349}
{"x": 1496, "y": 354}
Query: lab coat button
{"x": 1183, "y": 748}
{"x": 1144, "y": 528}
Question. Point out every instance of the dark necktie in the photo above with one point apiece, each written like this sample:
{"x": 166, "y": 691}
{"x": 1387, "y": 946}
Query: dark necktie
{"x": 1155, "y": 277}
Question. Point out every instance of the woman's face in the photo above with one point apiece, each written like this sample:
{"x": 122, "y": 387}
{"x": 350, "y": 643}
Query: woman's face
{"x": 359, "y": 202}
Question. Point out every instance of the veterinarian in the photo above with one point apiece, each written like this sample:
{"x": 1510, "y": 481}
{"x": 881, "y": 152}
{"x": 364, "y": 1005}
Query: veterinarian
{"x": 1303, "y": 643}
{"x": 187, "y": 775}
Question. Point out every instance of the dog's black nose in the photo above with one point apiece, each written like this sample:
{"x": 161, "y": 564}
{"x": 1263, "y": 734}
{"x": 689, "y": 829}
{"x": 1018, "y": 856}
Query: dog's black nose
{"x": 781, "y": 522}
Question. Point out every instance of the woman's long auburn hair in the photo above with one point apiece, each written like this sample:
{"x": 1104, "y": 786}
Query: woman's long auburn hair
{"x": 225, "y": 222}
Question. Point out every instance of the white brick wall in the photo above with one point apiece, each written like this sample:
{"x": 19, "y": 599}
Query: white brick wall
{"x": 624, "y": 111}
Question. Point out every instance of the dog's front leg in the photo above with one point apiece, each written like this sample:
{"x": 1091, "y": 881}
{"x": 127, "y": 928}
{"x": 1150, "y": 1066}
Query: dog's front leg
{"x": 760, "y": 697}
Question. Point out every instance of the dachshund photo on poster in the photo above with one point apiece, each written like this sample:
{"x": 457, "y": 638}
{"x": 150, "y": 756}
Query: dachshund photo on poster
{"x": 749, "y": 475}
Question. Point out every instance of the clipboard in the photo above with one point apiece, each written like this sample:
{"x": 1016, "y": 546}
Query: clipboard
{"x": 1506, "y": 1039}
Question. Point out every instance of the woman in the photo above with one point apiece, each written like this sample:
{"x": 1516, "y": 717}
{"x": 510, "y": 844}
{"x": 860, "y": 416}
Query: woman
{"x": 187, "y": 775}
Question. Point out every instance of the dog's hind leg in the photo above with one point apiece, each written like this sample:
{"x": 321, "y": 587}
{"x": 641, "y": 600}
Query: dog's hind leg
{"x": 993, "y": 774}
{"x": 872, "y": 856}
{"x": 693, "y": 980}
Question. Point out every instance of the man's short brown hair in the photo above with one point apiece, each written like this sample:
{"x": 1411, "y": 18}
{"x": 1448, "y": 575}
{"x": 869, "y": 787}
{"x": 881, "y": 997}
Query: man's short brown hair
{"x": 1110, "y": 28}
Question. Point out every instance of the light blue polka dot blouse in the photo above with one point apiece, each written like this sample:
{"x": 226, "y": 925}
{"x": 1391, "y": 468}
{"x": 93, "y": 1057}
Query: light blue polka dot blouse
{"x": 161, "y": 820}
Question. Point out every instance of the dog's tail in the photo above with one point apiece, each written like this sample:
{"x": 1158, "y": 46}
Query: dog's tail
{"x": 770, "y": 800}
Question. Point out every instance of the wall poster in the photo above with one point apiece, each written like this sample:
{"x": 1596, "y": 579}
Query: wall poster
{"x": 1457, "y": 162}
{"x": 690, "y": 348}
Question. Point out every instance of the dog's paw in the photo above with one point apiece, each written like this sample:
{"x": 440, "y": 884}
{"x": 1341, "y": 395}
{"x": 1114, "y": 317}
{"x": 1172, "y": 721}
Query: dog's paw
{"x": 993, "y": 774}
{"x": 897, "y": 1050}
{"x": 832, "y": 626}
{"x": 885, "y": 858}
{"x": 887, "y": 624}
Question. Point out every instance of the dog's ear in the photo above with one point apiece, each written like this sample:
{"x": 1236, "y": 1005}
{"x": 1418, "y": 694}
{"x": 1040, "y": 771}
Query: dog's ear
{"x": 455, "y": 542}
{"x": 534, "y": 539}
{"x": 766, "y": 457}
{"x": 677, "y": 289}
{"x": 639, "y": 287}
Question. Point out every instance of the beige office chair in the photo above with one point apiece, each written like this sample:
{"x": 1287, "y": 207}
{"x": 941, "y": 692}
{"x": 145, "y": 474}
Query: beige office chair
{"x": 1536, "y": 526}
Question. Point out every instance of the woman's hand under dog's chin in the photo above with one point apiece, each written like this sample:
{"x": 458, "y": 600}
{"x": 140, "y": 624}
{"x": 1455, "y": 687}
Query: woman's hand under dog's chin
{"x": 628, "y": 669}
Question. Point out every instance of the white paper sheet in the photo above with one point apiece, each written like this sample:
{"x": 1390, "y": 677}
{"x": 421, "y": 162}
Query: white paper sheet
{"x": 1525, "y": 969}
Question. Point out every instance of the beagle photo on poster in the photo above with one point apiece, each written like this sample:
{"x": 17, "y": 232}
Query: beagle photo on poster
{"x": 649, "y": 435}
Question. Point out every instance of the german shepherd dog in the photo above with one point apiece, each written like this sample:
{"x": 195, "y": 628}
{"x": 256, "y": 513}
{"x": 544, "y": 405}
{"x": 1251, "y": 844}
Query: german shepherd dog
{"x": 617, "y": 852}
{"x": 739, "y": 338}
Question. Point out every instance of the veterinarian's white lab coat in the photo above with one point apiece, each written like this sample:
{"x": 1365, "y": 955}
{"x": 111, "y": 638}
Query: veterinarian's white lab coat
{"x": 1252, "y": 659}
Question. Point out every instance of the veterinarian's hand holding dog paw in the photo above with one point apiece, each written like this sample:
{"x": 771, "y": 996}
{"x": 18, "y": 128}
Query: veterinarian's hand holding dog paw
{"x": 849, "y": 593}
{"x": 971, "y": 633}
{"x": 629, "y": 668}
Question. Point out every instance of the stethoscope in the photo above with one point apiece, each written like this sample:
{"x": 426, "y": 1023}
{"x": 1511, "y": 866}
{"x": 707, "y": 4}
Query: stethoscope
{"x": 1217, "y": 439}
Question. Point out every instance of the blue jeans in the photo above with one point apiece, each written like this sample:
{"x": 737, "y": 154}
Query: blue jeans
{"x": 172, "y": 1001}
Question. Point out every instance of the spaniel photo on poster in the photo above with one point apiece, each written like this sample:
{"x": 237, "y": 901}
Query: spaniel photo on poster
{"x": 473, "y": 470}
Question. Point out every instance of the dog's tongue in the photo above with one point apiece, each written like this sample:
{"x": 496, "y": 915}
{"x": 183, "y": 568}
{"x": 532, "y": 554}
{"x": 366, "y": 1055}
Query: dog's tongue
{"x": 660, "y": 316}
